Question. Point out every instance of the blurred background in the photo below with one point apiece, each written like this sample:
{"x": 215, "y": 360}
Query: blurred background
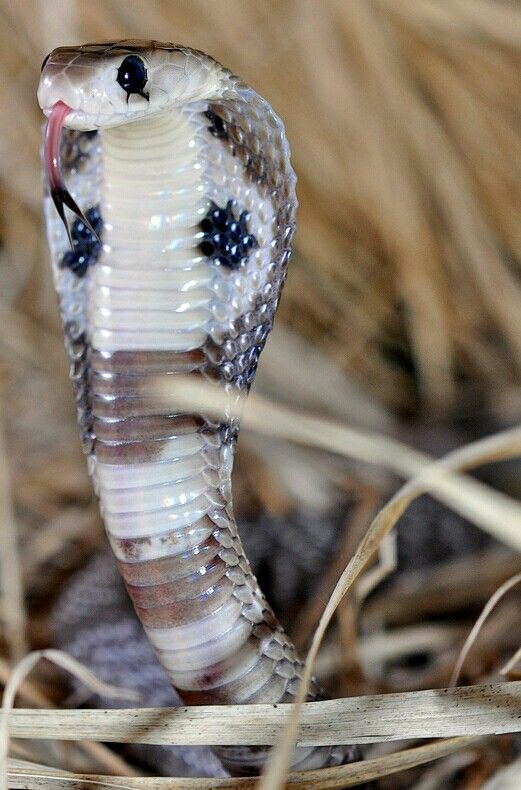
{"x": 401, "y": 314}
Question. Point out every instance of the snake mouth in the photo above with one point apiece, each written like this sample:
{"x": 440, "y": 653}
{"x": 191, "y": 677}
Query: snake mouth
{"x": 59, "y": 192}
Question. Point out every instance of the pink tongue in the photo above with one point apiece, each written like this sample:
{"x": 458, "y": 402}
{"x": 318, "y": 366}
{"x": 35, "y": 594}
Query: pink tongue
{"x": 52, "y": 145}
{"x": 51, "y": 148}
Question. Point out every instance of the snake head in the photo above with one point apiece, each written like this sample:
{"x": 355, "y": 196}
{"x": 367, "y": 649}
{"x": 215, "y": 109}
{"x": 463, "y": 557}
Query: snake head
{"x": 96, "y": 86}
{"x": 111, "y": 84}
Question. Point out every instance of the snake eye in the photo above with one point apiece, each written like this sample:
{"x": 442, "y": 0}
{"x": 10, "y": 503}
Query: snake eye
{"x": 132, "y": 76}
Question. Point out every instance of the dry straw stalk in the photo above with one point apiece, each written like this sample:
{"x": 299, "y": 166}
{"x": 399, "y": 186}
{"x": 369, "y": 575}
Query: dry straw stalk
{"x": 440, "y": 713}
{"x": 27, "y": 776}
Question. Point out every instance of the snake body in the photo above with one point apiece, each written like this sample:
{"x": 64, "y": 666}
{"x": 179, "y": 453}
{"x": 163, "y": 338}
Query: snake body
{"x": 178, "y": 257}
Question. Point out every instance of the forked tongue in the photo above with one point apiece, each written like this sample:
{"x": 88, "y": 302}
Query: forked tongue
{"x": 59, "y": 193}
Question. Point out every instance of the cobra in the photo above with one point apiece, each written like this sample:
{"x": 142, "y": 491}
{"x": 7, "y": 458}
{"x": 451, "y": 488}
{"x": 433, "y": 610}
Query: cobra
{"x": 181, "y": 181}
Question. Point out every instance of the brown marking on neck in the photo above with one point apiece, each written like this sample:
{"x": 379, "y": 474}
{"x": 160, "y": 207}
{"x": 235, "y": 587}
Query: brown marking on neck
{"x": 188, "y": 611}
{"x": 168, "y": 569}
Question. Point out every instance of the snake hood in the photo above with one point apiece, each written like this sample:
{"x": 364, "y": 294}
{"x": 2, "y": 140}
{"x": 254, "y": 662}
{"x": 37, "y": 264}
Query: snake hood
{"x": 181, "y": 178}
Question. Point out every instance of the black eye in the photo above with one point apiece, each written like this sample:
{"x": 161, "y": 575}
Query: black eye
{"x": 132, "y": 76}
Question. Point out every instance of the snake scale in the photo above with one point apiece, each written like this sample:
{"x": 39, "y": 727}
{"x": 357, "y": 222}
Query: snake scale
{"x": 179, "y": 176}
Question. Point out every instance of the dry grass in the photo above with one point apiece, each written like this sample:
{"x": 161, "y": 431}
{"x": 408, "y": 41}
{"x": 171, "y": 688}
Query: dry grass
{"x": 28, "y": 776}
{"x": 404, "y": 298}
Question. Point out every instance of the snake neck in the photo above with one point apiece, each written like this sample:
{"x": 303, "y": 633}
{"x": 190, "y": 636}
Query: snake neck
{"x": 153, "y": 280}
{"x": 163, "y": 477}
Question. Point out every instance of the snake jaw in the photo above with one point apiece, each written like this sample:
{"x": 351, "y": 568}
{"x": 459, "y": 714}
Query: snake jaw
{"x": 60, "y": 195}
